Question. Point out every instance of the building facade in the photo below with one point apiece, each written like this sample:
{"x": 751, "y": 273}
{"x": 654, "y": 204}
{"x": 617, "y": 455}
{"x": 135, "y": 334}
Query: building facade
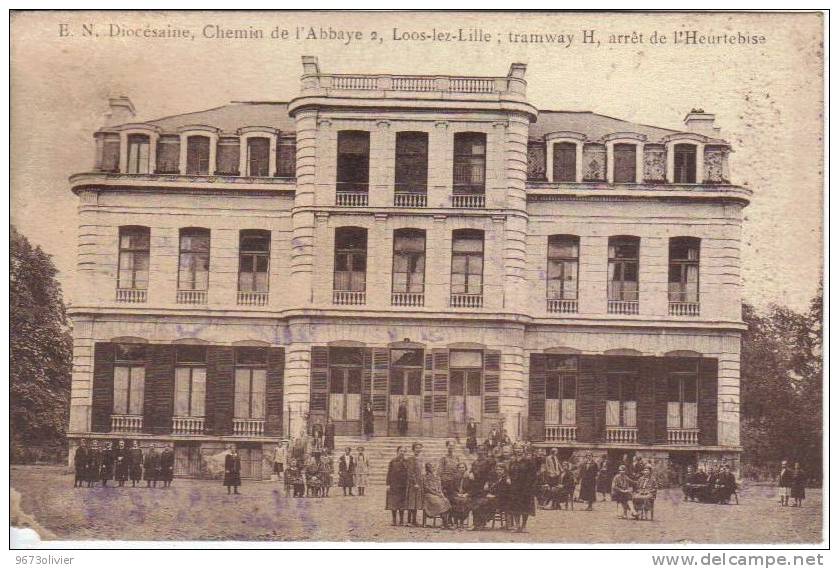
{"x": 250, "y": 270}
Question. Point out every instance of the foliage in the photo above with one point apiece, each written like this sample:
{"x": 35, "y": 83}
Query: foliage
{"x": 781, "y": 370}
{"x": 40, "y": 353}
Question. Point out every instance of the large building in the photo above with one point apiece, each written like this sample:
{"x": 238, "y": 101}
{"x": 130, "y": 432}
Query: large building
{"x": 250, "y": 270}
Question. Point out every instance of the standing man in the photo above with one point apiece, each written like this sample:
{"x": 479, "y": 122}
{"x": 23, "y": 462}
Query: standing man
{"x": 167, "y": 465}
{"x": 784, "y": 483}
{"x": 121, "y": 463}
{"x": 471, "y": 436}
{"x": 552, "y": 465}
{"x": 135, "y": 463}
{"x": 232, "y": 470}
{"x": 588, "y": 481}
{"x": 402, "y": 418}
{"x": 106, "y": 467}
{"x": 346, "y": 471}
{"x": 416, "y": 470}
{"x": 367, "y": 420}
{"x": 280, "y": 458}
{"x": 522, "y": 475}
{"x": 151, "y": 466}
{"x": 80, "y": 458}
{"x": 362, "y": 471}
{"x": 397, "y": 486}
{"x": 94, "y": 458}
{"x": 317, "y": 436}
{"x": 329, "y": 436}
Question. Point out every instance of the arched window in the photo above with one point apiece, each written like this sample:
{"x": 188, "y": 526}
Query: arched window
{"x": 470, "y": 162}
{"x": 683, "y": 280}
{"x": 259, "y": 150}
{"x": 467, "y": 268}
{"x": 624, "y": 163}
{"x": 408, "y": 267}
{"x": 353, "y": 173}
{"x": 194, "y": 259}
{"x": 227, "y": 156}
{"x": 350, "y": 259}
{"x": 138, "y": 154}
{"x": 198, "y": 155}
{"x": 411, "y": 176}
{"x": 563, "y": 262}
{"x": 133, "y": 257}
{"x": 623, "y": 274}
{"x": 565, "y": 162}
{"x": 254, "y": 256}
{"x": 684, "y": 163}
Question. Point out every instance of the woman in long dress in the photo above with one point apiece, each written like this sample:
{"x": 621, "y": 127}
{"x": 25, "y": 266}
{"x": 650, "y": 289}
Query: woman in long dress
{"x": 362, "y": 471}
{"x": 604, "y": 480}
{"x": 798, "y": 482}
{"x": 459, "y": 496}
{"x": 434, "y": 502}
{"x": 233, "y": 470}
{"x": 522, "y": 503}
{"x": 588, "y": 481}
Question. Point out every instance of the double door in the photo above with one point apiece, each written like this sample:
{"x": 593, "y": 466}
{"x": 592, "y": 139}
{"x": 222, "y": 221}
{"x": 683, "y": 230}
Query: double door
{"x": 345, "y": 398}
{"x": 464, "y": 398}
{"x": 405, "y": 390}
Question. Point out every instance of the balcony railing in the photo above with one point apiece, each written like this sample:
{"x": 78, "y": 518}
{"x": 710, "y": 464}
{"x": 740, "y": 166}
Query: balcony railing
{"x": 248, "y": 427}
{"x": 683, "y": 436}
{"x": 684, "y": 309}
{"x": 468, "y": 200}
{"x": 345, "y": 297}
{"x": 351, "y": 199}
{"x": 410, "y": 199}
{"x": 131, "y": 295}
{"x": 187, "y": 425}
{"x": 192, "y": 297}
{"x": 560, "y": 433}
{"x": 558, "y": 306}
{"x": 126, "y": 423}
{"x": 622, "y": 435}
{"x": 407, "y": 299}
{"x": 467, "y": 300}
{"x": 623, "y": 307}
{"x": 252, "y": 298}
{"x": 413, "y": 83}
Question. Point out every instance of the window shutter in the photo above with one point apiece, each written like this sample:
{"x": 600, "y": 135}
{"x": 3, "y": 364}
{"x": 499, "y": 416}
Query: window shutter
{"x": 366, "y": 376}
{"x": 159, "y": 397}
{"x": 591, "y": 399}
{"x": 219, "y": 416}
{"x": 649, "y": 369}
{"x": 274, "y": 392}
{"x": 707, "y": 419}
{"x": 441, "y": 381}
{"x": 381, "y": 368}
{"x": 319, "y": 384}
{"x": 103, "y": 387}
{"x": 428, "y": 387}
{"x": 492, "y": 381}
{"x": 660, "y": 403}
{"x": 536, "y": 160}
{"x": 536, "y": 399}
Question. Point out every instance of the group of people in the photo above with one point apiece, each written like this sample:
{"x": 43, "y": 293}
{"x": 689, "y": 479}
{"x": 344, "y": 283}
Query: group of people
{"x": 791, "y": 482}
{"x": 100, "y": 463}
{"x": 717, "y": 486}
{"x": 451, "y": 490}
{"x": 307, "y": 467}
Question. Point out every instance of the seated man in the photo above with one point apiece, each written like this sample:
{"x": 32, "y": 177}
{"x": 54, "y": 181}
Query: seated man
{"x": 724, "y": 486}
{"x": 567, "y": 483}
{"x": 491, "y": 499}
{"x": 645, "y": 492}
{"x": 622, "y": 489}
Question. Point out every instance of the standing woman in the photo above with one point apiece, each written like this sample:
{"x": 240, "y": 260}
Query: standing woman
{"x": 362, "y": 471}
{"x": 798, "y": 482}
{"x": 121, "y": 463}
{"x": 329, "y": 436}
{"x": 397, "y": 486}
{"x": 522, "y": 475}
{"x": 588, "y": 481}
{"x": 346, "y": 471}
{"x": 151, "y": 466}
{"x": 232, "y": 470}
{"x": 367, "y": 420}
{"x": 471, "y": 436}
{"x": 402, "y": 418}
{"x": 80, "y": 464}
{"x": 416, "y": 471}
{"x": 604, "y": 480}
{"x": 94, "y": 456}
{"x": 167, "y": 465}
{"x": 135, "y": 463}
{"x": 106, "y": 465}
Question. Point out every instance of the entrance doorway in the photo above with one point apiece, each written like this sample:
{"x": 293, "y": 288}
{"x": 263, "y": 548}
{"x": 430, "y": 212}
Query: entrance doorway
{"x": 345, "y": 366}
{"x": 465, "y": 389}
{"x": 405, "y": 389}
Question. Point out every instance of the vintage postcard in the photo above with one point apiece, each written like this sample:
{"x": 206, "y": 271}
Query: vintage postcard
{"x": 399, "y": 277}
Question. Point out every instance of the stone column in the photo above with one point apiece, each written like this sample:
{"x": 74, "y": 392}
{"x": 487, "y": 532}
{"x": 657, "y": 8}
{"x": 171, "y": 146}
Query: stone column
{"x": 81, "y": 387}
{"x": 515, "y": 225}
{"x": 303, "y": 222}
{"x": 297, "y": 374}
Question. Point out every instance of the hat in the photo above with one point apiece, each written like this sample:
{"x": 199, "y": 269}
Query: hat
{"x": 622, "y": 468}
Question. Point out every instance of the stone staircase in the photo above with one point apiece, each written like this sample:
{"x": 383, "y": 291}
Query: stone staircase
{"x": 380, "y": 451}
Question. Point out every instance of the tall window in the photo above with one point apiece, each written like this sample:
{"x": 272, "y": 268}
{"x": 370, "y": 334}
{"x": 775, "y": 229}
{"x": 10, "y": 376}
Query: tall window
{"x": 623, "y": 268}
{"x": 561, "y": 390}
{"x": 194, "y": 264}
{"x": 254, "y": 253}
{"x": 409, "y": 260}
{"x": 287, "y": 158}
{"x": 350, "y": 259}
{"x": 259, "y": 149}
{"x": 227, "y": 156}
{"x": 345, "y": 383}
{"x": 249, "y": 389}
{"x": 198, "y": 155}
{"x": 466, "y": 382}
{"x": 168, "y": 154}
{"x": 469, "y": 162}
{"x": 110, "y": 153}
{"x": 683, "y": 282}
{"x": 353, "y": 173}
{"x": 682, "y": 394}
{"x": 190, "y": 380}
{"x": 138, "y": 154}
{"x": 684, "y": 164}
{"x": 411, "y": 162}
{"x": 565, "y": 162}
{"x": 133, "y": 258}
{"x": 624, "y": 165}
{"x": 467, "y": 261}
{"x": 622, "y": 393}
{"x": 563, "y": 260}
{"x": 129, "y": 378}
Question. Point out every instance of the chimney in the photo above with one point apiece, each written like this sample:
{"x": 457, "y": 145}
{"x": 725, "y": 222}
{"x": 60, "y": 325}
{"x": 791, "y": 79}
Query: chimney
{"x": 700, "y": 122}
{"x": 517, "y": 70}
{"x": 120, "y": 111}
{"x": 310, "y": 65}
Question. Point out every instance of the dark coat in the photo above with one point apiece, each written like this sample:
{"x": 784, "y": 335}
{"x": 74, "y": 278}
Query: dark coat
{"x": 151, "y": 465}
{"x": 402, "y": 419}
{"x": 397, "y": 482}
{"x": 121, "y": 464}
{"x": 522, "y": 474}
{"x": 329, "y": 437}
{"x": 106, "y": 465}
{"x": 785, "y": 478}
{"x": 232, "y": 470}
{"x": 346, "y": 470}
{"x": 80, "y": 462}
{"x": 167, "y": 465}
{"x": 367, "y": 420}
{"x": 94, "y": 462}
{"x": 604, "y": 478}
{"x": 588, "y": 482}
{"x": 135, "y": 463}
{"x": 799, "y": 480}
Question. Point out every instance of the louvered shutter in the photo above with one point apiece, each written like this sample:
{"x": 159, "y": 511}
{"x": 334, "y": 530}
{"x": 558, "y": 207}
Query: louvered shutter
{"x": 319, "y": 385}
{"x": 159, "y": 396}
{"x": 536, "y": 397}
{"x": 381, "y": 367}
{"x": 649, "y": 369}
{"x": 441, "y": 381}
{"x": 492, "y": 384}
{"x": 219, "y": 413}
{"x": 707, "y": 414}
{"x": 274, "y": 392}
{"x": 428, "y": 386}
{"x": 103, "y": 387}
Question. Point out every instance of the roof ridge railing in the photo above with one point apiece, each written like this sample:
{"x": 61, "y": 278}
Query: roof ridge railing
{"x": 416, "y": 83}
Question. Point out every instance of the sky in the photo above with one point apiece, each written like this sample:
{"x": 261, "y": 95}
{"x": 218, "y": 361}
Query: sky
{"x": 767, "y": 96}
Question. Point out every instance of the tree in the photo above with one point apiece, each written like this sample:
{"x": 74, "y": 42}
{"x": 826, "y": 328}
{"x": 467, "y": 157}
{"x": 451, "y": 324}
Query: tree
{"x": 781, "y": 370}
{"x": 40, "y": 352}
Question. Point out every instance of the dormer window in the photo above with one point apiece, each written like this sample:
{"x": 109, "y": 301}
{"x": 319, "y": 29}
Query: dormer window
{"x": 259, "y": 149}
{"x": 138, "y": 154}
{"x": 287, "y": 158}
{"x": 565, "y": 162}
{"x": 198, "y": 156}
{"x": 110, "y": 153}
{"x": 624, "y": 163}
{"x": 227, "y": 156}
{"x": 684, "y": 164}
{"x": 168, "y": 154}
